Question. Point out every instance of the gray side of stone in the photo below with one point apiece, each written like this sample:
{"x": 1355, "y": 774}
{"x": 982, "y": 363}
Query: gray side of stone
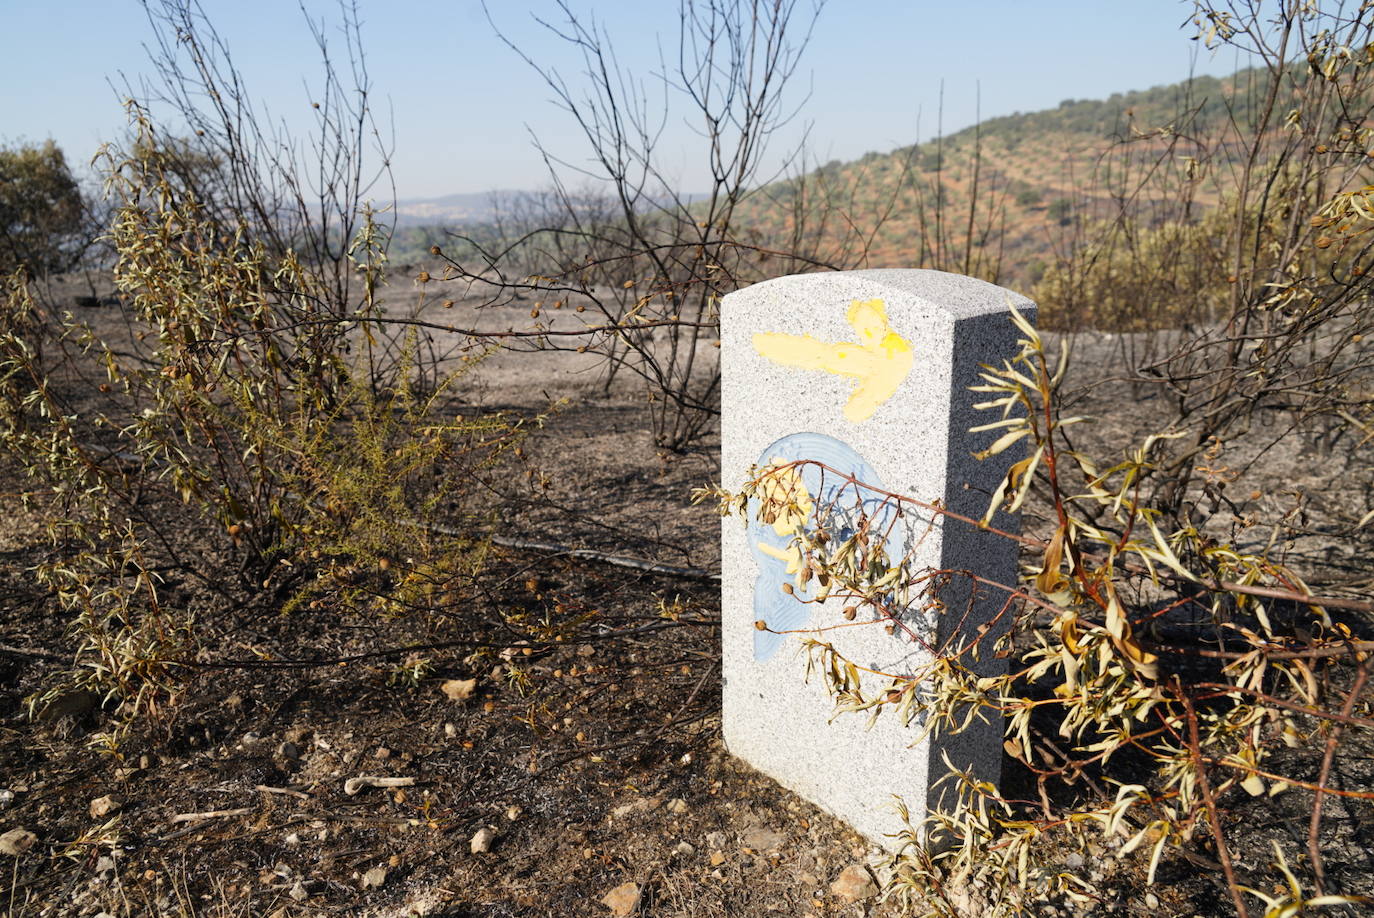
{"x": 978, "y": 340}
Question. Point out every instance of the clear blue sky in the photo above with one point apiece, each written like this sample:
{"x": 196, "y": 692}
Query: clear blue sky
{"x": 460, "y": 100}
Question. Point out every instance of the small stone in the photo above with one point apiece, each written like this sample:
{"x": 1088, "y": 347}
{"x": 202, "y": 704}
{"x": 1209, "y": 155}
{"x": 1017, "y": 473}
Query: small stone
{"x": 761, "y": 839}
{"x": 374, "y": 878}
{"x": 482, "y": 840}
{"x": 105, "y": 806}
{"x": 293, "y": 839}
{"x": 514, "y": 812}
{"x": 382, "y": 753}
{"x": 289, "y": 751}
{"x": 626, "y": 810}
{"x": 716, "y": 840}
{"x": 1151, "y": 901}
{"x": 298, "y": 892}
{"x": 6, "y": 797}
{"x": 105, "y": 865}
{"x": 16, "y": 841}
{"x": 717, "y": 858}
{"x": 459, "y": 689}
{"x": 624, "y": 899}
{"x": 450, "y": 730}
{"x": 677, "y": 806}
{"x": 586, "y": 650}
{"x": 1074, "y": 861}
{"x": 684, "y": 849}
{"x": 854, "y": 884}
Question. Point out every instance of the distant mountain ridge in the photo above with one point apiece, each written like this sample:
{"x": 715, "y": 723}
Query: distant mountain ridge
{"x": 1011, "y": 190}
{"x": 1002, "y": 199}
{"x": 450, "y": 209}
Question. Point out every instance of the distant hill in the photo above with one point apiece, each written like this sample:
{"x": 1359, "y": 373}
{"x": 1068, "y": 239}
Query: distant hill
{"x": 1000, "y": 199}
{"x": 450, "y": 209}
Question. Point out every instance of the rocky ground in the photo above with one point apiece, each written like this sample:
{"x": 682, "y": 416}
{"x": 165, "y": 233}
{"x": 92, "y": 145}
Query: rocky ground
{"x": 310, "y": 767}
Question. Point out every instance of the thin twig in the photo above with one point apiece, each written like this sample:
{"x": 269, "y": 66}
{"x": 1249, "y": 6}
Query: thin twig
{"x": 1200, "y": 770}
{"x": 1328, "y": 757}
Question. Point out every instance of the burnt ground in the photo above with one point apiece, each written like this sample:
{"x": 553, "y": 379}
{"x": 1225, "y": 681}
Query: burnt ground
{"x": 595, "y": 761}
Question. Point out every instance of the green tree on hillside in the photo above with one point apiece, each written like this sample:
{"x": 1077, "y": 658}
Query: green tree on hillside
{"x": 42, "y": 215}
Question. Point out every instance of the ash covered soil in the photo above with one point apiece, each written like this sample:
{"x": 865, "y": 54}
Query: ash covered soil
{"x": 581, "y": 779}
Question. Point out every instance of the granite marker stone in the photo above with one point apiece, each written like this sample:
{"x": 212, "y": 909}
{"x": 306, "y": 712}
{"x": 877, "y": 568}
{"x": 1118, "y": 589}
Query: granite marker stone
{"x": 868, "y": 373}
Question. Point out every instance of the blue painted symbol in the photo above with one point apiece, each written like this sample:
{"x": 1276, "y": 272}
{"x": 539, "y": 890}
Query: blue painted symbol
{"x": 826, "y": 497}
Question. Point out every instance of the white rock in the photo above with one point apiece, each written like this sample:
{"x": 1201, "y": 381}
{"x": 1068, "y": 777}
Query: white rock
{"x": 482, "y": 840}
{"x": 854, "y": 884}
{"x": 761, "y": 839}
{"x": 624, "y": 899}
{"x": 459, "y": 689}
{"x": 16, "y": 841}
{"x": 105, "y": 806}
{"x": 634, "y": 806}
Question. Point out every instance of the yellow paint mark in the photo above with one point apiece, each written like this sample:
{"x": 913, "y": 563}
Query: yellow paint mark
{"x": 879, "y": 360}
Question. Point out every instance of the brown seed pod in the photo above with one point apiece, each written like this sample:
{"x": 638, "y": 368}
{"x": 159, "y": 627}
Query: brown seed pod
{"x": 760, "y": 625}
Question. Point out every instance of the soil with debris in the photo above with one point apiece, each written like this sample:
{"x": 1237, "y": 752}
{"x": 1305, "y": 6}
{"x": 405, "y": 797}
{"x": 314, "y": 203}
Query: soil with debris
{"x": 302, "y": 771}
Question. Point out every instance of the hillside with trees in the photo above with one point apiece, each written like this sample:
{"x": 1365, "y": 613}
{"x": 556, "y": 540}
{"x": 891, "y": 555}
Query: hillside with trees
{"x": 1011, "y": 197}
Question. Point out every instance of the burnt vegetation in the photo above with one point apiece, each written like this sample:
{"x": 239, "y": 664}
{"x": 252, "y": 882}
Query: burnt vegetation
{"x": 271, "y": 526}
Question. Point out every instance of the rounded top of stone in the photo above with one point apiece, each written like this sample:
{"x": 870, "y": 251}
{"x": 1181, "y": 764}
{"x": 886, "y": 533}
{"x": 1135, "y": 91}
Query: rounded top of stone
{"x": 956, "y": 294}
